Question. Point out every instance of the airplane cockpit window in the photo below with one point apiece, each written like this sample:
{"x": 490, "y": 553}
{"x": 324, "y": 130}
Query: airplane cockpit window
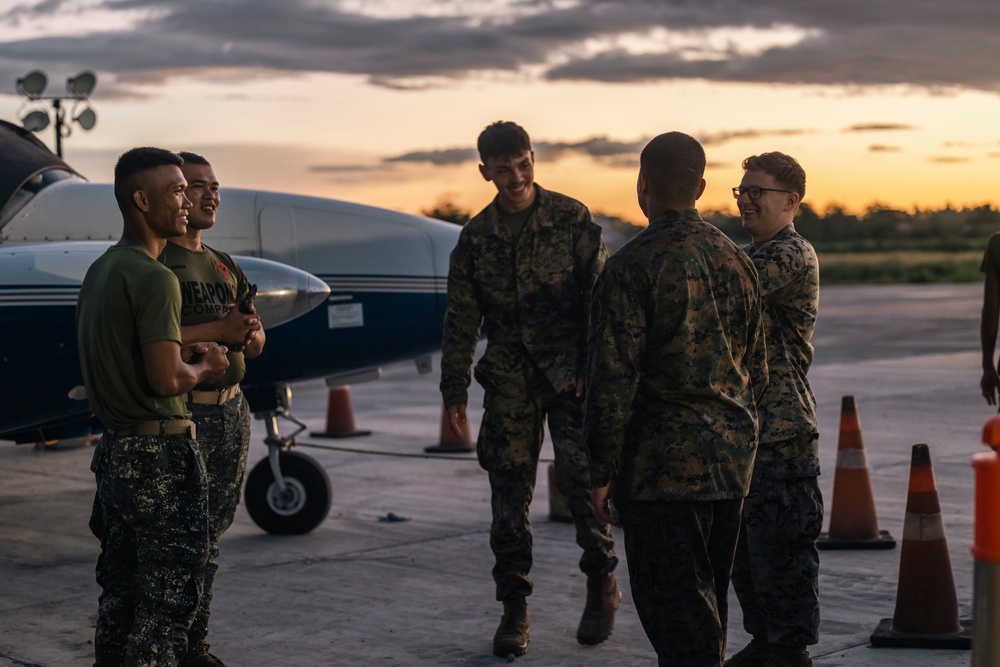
{"x": 31, "y": 187}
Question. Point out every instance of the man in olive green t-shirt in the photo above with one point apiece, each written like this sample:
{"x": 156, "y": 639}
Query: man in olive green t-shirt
{"x": 211, "y": 283}
{"x": 151, "y": 505}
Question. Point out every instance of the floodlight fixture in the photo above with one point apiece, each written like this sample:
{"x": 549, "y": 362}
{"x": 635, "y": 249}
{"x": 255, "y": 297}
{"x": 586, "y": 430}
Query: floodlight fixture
{"x": 81, "y": 85}
{"x": 87, "y": 119}
{"x": 79, "y": 88}
{"x": 32, "y": 84}
{"x": 36, "y": 121}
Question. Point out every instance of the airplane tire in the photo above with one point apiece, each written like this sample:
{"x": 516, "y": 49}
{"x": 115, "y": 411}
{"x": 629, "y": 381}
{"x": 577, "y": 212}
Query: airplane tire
{"x": 303, "y": 505}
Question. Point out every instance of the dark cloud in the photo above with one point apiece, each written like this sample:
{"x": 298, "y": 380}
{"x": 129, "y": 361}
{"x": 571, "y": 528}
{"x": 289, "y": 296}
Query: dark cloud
{"x": 611, "y": 152}
{"x": 882, "y": 148}
{"x": 343, "y": 168}
{"x": 878, "y": 127}
{"x": 446, "y": 156}
{"x": 935, "y": 45}
{"x": 948, "y": 159}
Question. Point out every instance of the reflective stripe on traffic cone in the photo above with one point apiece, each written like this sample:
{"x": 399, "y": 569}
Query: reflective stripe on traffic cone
{"x": 853, "y": 524}
{"x": 926, "y": 614}
{"x": 339, "y": 415}
{"x": 448, "y": 442}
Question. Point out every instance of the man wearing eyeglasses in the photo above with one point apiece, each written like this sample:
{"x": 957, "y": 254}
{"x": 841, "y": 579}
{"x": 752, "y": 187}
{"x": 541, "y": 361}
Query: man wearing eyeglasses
{"x": 776, "y": 571}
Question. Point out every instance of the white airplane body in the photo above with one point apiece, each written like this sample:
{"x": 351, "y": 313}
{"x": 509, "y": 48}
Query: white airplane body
{"x": 386, "y": 272}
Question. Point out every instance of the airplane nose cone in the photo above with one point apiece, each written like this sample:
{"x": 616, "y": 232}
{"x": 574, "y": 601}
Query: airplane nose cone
{"x": 283, "y": 292}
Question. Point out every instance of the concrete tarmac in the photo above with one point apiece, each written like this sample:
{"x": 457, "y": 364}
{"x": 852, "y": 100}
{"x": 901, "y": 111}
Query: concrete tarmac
{"x": 360, "y": 591}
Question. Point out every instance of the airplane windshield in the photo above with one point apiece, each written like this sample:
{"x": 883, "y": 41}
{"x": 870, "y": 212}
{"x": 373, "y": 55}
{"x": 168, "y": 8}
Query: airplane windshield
{"x": 31, "y": 187}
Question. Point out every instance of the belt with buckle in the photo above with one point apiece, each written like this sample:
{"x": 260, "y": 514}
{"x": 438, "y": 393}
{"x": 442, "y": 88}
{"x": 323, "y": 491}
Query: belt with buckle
{"x": 160, "y": 427}
{"x": 213, "y": 397}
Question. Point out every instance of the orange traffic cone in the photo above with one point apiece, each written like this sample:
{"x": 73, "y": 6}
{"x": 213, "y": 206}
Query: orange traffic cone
{"x": 853, "y": 524}
{"x": 986, "y": 550}
{"x": 926, "y": 613}
{"x": 448, "y": 442}
{"x": 339, "y": 415}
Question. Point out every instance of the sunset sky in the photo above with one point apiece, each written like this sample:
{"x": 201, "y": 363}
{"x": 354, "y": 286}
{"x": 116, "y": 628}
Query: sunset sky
{"x": 380, "y": 101}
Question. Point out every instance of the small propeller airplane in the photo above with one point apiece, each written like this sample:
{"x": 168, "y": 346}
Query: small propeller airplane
{"x": 380, "y": 274}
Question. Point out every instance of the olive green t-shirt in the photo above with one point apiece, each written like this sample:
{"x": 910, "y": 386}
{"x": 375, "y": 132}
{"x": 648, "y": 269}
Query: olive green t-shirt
{"x": 127, "y": 300}
{"x": 208, "y": 280}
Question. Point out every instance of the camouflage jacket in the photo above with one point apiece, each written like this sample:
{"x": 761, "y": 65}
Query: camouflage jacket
{"x": 676, "y": 365}
{"x": 530, "y": 295}
{"x": 789, "y": 287}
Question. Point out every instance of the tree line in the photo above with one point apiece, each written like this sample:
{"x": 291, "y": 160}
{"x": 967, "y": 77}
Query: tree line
{"x": 878, "y": 245}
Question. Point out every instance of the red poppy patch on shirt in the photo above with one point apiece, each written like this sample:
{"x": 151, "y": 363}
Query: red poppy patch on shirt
{"x": 222, "y": 269}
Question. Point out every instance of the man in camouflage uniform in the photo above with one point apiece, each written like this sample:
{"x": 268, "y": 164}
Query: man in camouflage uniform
{"x": 776, "y": 573}
{"x": 676, "y": 365}
{"x": 151, "y": 482}
{"x": 211, "y": 285}
{"x": 523, "y": 270}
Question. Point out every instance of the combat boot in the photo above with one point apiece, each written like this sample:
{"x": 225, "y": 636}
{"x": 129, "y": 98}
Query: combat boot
{"x": 513, "y": 635}
{"x": 755, "y": 654}
{"x": 197, "y": 654}
{"x": 603, "y": 596}
{"x": 787, "y": 656}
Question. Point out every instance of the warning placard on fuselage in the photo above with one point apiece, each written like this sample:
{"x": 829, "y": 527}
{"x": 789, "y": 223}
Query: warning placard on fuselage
{"x": 345, "y": 315}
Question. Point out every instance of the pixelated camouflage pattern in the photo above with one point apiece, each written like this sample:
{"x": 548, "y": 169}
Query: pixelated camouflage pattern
{"x": 776, "y": 571}
{"x": 223, "y": 438}
{"x": 510, "y": 439}
{"x": 677, "y": 362}
{"x": 789, "y": 286}
{"x": 529, "y": 295}
{"x": 679, "y": 556}
{"x": 152, "y": 501}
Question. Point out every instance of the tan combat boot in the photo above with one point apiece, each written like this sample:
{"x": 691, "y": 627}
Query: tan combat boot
{"x": 512, "y": 635}
{"x": 603, "y": 597}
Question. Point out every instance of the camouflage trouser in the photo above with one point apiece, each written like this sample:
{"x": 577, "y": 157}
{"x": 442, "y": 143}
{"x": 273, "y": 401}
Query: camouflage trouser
{"x": 224, "y": 438}
{"x": 153, "y": 524}
{"x": 679, "y": 558}
{"x": 510, "y": 439}
{"x": 776, "y": 573}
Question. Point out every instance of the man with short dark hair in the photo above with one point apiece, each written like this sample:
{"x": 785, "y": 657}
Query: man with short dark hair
{"x": 151, "y": 484}
{"x": 211, "y": 286}
{"x": 776, "y": 572}
{"x": 676, "y": 365}
{"x": 523, "y": 270}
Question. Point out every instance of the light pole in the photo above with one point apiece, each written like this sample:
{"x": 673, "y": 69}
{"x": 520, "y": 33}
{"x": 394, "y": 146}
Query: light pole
{"x": 79, "y": 87}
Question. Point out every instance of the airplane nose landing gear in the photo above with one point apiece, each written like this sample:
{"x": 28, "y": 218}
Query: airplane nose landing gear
{"x": 287, "y": 493}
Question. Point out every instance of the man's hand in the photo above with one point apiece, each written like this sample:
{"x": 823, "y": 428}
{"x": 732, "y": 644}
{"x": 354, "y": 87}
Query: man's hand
{"x": 990, "y": 384}
{"x": 215, "y": 360}
{"x": 600, "y": 497}
{"x": 239, "y": 328}
{"x": 457, "y": 420}
{"x": 579, "y": 387}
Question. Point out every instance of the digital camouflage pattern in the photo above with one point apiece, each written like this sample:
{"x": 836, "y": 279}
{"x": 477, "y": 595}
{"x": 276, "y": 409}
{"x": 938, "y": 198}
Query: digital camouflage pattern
{"x": 152, "y": 514}
{"x": 677, "y": 362}
{"x": 789, "y": 286}
{"x": 510, "y": 439}
{"x": 776, "y": 572}
{"x": 223, "y": 439}
{"x": 679, "y": 553}
{"x": 530, "y": 295}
